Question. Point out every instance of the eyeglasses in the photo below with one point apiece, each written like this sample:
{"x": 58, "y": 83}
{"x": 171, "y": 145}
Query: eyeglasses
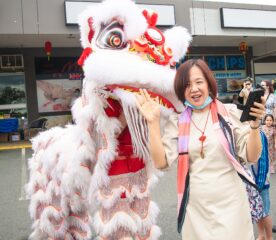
{"x": 248, "y": 84}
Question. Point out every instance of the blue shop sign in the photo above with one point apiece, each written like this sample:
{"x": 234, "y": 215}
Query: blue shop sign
{"x": 228, "y": 62}
{"x": 235, "y": 62}
{"x": 215, "y": 63}
{"x": 233, "y": 74}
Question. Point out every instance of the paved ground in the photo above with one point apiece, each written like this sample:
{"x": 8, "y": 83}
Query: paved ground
{"x": 15, "y": 223}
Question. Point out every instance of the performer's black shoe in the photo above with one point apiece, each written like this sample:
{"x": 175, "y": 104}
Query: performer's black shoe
{"x": 274, "y": 229}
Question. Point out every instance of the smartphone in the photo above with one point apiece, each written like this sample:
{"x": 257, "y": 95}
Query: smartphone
{"x": 254, "y": 96}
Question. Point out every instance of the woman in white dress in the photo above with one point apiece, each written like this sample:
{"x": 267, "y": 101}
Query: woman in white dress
{"x": 213, "y": 202}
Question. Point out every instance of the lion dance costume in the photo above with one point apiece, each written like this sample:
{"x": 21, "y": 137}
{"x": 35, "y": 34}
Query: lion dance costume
{"x": 94, "y": 178}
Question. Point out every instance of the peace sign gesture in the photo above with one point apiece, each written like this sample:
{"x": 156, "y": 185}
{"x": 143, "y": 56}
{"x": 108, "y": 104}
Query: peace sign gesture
{"x": 149, "y": 107}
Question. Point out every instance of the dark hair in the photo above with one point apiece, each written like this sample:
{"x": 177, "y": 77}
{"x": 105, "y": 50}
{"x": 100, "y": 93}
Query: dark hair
{"x": 182, "y": 78}
{"x": 248, "y": 79}
{"x": 273, "y": 82}
{"x": 269, "y": 85}
{"x": 268, "y": 115}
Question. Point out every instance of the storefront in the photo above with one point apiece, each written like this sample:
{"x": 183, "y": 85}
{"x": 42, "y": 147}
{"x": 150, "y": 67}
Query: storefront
{"x": 36, "y": 88}
{"x": 26, "y": 28}
{"x": 230, "y": 69}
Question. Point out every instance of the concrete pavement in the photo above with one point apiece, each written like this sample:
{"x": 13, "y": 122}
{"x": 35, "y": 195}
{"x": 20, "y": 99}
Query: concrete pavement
{"x": 15, "y": 222}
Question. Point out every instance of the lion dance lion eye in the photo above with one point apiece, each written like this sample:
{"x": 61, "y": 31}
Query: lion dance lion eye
{"x": 114, "y": 41}
{"x": 111, "y": 37}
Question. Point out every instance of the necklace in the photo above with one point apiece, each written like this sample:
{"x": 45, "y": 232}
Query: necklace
{"x": 202, "y": 138}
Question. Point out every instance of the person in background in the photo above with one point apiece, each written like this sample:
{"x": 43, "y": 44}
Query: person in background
{"x": 212, "y": 199}
{"x": 269, "y": 129}
{"x": 270, "y": 98}
{"x": 247, "y": 88}
{"x": 274, "y": 87}
{"x": 76, "y": 94}
{"x": 261, "y": 175}
{"x": 235, "y": 99}
{"x": 273, "y": 82}
{"x": 270, "y": 108}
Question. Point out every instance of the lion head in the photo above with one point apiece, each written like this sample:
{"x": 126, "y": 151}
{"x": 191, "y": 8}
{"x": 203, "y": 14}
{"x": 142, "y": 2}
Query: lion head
{"x": 122, "y": 45}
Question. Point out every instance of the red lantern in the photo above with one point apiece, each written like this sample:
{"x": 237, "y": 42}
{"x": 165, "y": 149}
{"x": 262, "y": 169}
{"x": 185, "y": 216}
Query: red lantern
{"x": 243, "y": 47}
{"x": 48, "y": 49}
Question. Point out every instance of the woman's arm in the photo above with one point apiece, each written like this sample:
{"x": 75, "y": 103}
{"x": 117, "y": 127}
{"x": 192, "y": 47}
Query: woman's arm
{"x": 254, "y": 143}
{"x": 244, "y": 91}
{"x": 157, "y": 150}
{"x": 150, "y": 109}
{"x": 241, "y": 94}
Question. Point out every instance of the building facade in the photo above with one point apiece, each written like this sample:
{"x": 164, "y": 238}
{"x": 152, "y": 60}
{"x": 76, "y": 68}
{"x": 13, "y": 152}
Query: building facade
{"x": 218, "y": 28}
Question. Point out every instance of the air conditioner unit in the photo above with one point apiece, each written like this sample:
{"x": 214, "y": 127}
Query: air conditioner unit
{"x": 11, "y": 61}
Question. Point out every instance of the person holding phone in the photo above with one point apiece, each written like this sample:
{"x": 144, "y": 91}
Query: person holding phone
{"x": 270, "y": 108}
{"x": 247, "y": 88}
{"x": 261, "y": 175}
{"x": 270, "y": 99}
{"x": 209, "y": 142}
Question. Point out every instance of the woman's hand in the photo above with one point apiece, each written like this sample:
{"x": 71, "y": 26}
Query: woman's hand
{"x": 257, "y": 111}
{"x": 254, "y": 143}
{"x": 150, "y": 109}
{"x": 148, "y": 106}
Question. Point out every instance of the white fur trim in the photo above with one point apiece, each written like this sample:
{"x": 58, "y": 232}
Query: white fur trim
{"x": 129, "y": 98}
{"x": 121, "y": 219}
{"x": 178, "y": 39}
{"x": 48, "y": 227}
{"x": 108, "y": 202}
{"x": 146, "y": 223}
{"x": 131, "y": 222}
{"x": 111, "y": 69}
{"x": 155, "y": 233}
{"x": 58, "y": 168}
{"x": 134, "y": 22}
{"x": 37, "y": 234}
{"x": 82, "y": 225}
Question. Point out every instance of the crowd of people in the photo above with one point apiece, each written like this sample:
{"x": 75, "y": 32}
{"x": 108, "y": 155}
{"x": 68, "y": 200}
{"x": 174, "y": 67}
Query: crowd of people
{"x": 268, "y": 121}
{"x": 266, "y": 163}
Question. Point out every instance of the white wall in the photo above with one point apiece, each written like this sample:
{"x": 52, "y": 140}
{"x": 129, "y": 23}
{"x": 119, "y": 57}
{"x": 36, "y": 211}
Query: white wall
{"x": 48, "y": 16}
{"x": 206, "y": 21}
{"x": 10, "y": 17}
{"x": 268, "y": 45}
{"x": 256, "y": 2}
{"x": 265, "y": 68}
